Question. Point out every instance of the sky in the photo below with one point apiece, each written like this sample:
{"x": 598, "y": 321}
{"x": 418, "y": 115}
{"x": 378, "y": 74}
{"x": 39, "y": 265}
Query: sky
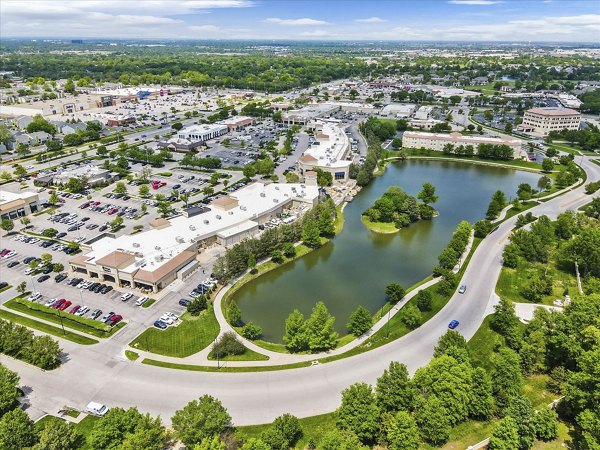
{"x": 369, "y": 20}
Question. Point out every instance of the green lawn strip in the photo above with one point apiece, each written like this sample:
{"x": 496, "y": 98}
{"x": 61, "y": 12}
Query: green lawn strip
{"x": 339, "y": 218}
{"x": 466, "y": 434}
{"x": 190, "y": 336}
{"x": 88, "y": 326}
{"x": 313, "y": 428}
{"x": 45, "y": 328}
{"x": 516, "y": 211}
{"x": 511, "y": 164}
{"x": 512, "y": 281}
{"x": 379, "y": 227}
{"x": 596, "y": 161}
{"x": 84, "y": 428}
{"x": 5, "y": 288}
{"x": 248, "y": 355}
{"x": 131, "y": 355}
{"x": 149, "y": 303}
{"x": 194, "y": 368}
{"x": 481, "y": 346}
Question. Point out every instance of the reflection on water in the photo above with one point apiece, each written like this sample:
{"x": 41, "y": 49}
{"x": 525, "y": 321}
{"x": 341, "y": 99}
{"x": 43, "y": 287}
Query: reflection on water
{"x": 356, "y": 266}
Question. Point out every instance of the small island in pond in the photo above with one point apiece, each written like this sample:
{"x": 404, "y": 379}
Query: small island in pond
{"x": 395, "y": 209}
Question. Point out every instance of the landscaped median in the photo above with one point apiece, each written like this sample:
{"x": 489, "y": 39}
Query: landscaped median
{"x": 45, "y": 328}
{"x": 84, "y": 325}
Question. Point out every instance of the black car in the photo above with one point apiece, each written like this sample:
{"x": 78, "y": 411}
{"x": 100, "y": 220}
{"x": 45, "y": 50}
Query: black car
{"x": 46, "y": 244}
{"x": 85, "y": 219}
{"x": 68, "y": 250}
{"x": 47, "y": 270}
{"x": 75, "y": 281}
{"x": 61, "y": 235}
{"x": 98, "y": 288}
{"x": 103, "y": 227}
{"x": 106, "y": 290}
{"x": 28, "y": 259}
{"x": 43, "y": 278}
{"x": 3, "y": 284}
{"x": 93, "y": 286}
{"x": 60, "y": 277}
{"x": 184, "y": 302}
{"x": 13, "y": 264}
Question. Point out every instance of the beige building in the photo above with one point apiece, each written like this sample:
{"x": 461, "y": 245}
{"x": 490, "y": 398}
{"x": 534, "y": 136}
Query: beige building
{"x": 437, "y": 141}
{"x": 15, "y": 206}
{"x": 544, "y": 120}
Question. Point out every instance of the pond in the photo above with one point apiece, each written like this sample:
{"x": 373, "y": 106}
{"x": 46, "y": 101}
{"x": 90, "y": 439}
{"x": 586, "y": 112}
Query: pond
{"x": 356, "y": 266}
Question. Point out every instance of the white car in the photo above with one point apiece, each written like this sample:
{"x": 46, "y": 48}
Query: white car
{"x": 51, "y": 302}
{"x": 82, "y": 311}
{"x": 80, "y": 285}
{"x": 140, "y": 301}
{"x": 10, "y": 254}
{"x": 126, "y": 296}
{"x": 29, "y": 271}
{"x": 172, "y": 315}
{"x": 166, "y": 319}
{"x": 34, "y": 296}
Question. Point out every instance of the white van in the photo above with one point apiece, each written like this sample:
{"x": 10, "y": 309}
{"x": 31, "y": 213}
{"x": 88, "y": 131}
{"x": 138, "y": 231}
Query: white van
{"x": 126, "y": 296}
{"x": 97, "y": 409}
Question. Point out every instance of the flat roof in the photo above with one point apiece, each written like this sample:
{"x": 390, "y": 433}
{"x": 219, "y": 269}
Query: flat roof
{"x": 554, "y": 111}
{"x": 460, "y": 137}
{"x": 236, "y": 229}
{"x": 333, "y": 144}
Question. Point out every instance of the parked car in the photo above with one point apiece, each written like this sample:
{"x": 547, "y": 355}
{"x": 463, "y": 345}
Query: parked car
{"x": 107, "y": 316}
{"x": 184, "y": 302}
{"x": 161, "y": 325}
{"x": 65, "y": 305}
{"x": 13, "y": 264}
{"x": 43, "y": 278}
{"x": 82, "y": 311}
{"x": 96, "y": 313}
{"x": 60, "y": 277}
{"x": 140, "y": 301}
{"x": 75, "y": 309}
{"x": 3, "y": 284}
{"x": 115, "y": 319}
{"x": 462, "y": 289}
{"x": 34, "y": 296}
{"x": 106, "y": 289}
{"x": 126, "y": 296}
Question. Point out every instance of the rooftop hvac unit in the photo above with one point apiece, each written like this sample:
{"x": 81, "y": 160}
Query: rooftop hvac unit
{"x": 192, "y": 227}
{"x": 293, "y": 189}
{"x": 243, "y": 208}
{"x": 205, "y": 222}
{"x": 158, "y": 258}
{"x": 275, "y": 200}
{"x": 230, "y": 213}
{"x": 136, "y": 244}
{"x": 262, "y": 194}
{"x": 139, "y": 255}
{"x": 156, "y": 247}
{"x": 286, "y": 195}
{"x": 276, "y": 188}
{"x": 302, "y": 186}
{"x": 180, "y": 239}
{"x": 218, "y": 217}
{"x": 303, "y": 194}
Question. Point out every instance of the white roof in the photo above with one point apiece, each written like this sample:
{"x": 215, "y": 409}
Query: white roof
{"x": 330, "y": 152}
{"x": 7, "y": 197}
{"x": 155, "y": 247}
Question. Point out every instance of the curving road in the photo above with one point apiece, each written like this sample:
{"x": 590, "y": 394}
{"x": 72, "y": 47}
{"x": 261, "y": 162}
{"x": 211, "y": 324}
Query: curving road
{"x": 101, "y": 373}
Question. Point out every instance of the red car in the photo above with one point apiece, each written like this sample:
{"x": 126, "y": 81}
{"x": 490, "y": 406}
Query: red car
{"x": 4, "y": 252}
{"x": 75, "y": 309}
{"x": 112, "y": 211}
{"x": 114, "y": 320}
{"x": 95, "y": 203}
{"x": 162, "y": 183}
{"x": 58, "y": 303}
{"x": 65, "y": 305}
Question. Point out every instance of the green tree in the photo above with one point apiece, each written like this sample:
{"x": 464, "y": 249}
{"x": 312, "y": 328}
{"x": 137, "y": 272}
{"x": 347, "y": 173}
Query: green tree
{"x": 255, "y": 444}
{"x": 321, "y": 330}
{"x": 46, "y": 258}
{"x": 7, "y": 225}
{"x": 545, "y": 423}
{"x": 311, "y": 233}
{"x": 283, "y": 433}
{"x": 547, "y": 165}
{"x": 50, "y": 232}
{"x": 234, "y": 314}
{"x": 44, "y": 352}
{"x": 19, "y": 171}
{"x": 75, "y": 185}
{"x": 58, "y": 267}
{"x": 394, "y": 391}
{"x": 394, "y": 292}
{"x": 427, "y": 194}
{"x": 177, "y": 126}
{"x": 358, "y": 412}
{"x": 251, "y": 331}
{"x": 452, "y": 343}
{"x": 496, "y": 205}
{"x": 116, "y": 223}
{"x": 9, "y": 389}
{"x": 340, "y": 440}
{"x": 411, "y": 316}
{"x": 120, "y": 188}
{"x": 296, "y": 333}
{"x": 144, "y": 190}
{"x": 110, "y": 432}
{"x": 57, "y": 435}
{"x": 149, "y": 434}
{"x": 200, "y": 419}
{"x": 361, "y": 321}
{"x": 505, "y": 435}
{"x": 22, "y": 287}
{"x": 520, "y": 409}
{"x": 424, "y": 300}
{"x": 210, "y": 443}
{"x": 482, "y": 401}
{"x": 16, "y": 430}
{"x": 507, "y": 379}
{"x": 326, "y": 223}
{"x": 54, "y": 198}
{"x": 433, "y": 421}
{"x": 403, "y": 434}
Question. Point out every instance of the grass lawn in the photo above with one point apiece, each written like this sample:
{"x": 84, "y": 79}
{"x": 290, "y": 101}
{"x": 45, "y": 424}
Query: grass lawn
{"x": 149, "y": 303}
{"x": 77, "y": 323}
{"x": 516, "y": 211}
{"x": 465, "y": 434}
{"x": 313, "y": 428}
{"x": 131, "y": 355}
{"x": 194, "y": 368}
{"x": 45, "y": 328}
{"x": 379, "y": 227}
{"x": 512, "y": 281}
{"x": 248, "y": 355}
{"x": 84, "y": 428}
{"x": 190, "y": 336}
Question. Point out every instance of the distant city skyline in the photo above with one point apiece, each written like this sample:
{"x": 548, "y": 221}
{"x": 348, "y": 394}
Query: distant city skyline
{"x": 374, "y": 20}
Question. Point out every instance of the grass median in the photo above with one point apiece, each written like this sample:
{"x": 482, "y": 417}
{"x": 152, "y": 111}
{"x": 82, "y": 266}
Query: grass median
{"x": 45, "y": 328}
{"x": 190, "y": 336}
{"x": 194, "y": 368}
{"x": 88, "y": 326}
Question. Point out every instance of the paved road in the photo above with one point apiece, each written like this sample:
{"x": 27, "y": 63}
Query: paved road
{"x": 102, "y": 374}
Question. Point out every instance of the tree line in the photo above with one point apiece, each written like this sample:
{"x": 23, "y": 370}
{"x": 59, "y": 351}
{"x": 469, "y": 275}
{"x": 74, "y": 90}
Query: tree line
{"x": 20, "y": 343}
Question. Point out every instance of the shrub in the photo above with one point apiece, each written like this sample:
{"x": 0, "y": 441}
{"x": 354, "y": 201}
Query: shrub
{"x": 228, "y": 344}
{"x": 251, "y": 331}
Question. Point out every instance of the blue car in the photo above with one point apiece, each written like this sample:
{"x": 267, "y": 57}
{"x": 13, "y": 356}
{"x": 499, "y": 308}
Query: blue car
{"x": 160, "y": 324}
{"x": 452, "y": 325}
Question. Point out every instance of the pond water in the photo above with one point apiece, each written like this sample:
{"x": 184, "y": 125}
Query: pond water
{"x": 356, "y": 266}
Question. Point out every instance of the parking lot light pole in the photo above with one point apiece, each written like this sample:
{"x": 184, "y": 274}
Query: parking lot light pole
{"x": 61, "y": 322}
{"x": 33, "y": 284}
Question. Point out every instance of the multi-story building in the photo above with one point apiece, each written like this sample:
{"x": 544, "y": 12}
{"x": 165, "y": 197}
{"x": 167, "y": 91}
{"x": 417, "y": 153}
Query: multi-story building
{"x": 544, "y": 120}
{"x": 437, "y": 141}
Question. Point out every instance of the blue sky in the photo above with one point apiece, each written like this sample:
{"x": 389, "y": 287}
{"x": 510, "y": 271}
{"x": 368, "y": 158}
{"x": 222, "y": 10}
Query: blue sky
{"x": 370, "y": 20}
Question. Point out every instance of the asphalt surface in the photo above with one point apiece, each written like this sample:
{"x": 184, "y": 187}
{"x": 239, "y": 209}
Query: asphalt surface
{"x": 101, "y": 372}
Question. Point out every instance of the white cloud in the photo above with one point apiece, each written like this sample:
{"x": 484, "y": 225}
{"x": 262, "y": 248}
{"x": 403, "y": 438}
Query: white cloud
{"x": 303, "y": 22}
{"x": 474, "y": 2}
{"x": 317, "y": 34}
{"x": 371, "y": 20}
{"x": 205, "y": 28}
